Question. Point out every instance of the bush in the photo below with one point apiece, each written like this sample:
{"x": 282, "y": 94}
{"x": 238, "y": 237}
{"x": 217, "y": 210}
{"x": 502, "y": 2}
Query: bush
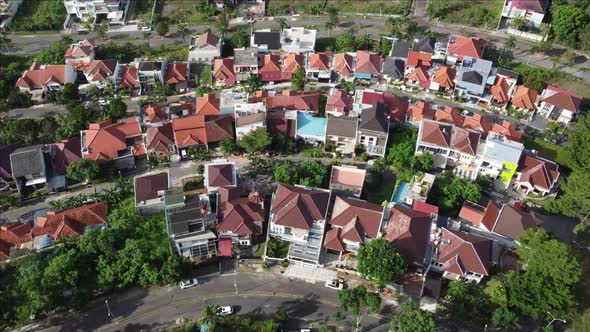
{"x": 277, "y": 248}
{"x": 198, "y": 182}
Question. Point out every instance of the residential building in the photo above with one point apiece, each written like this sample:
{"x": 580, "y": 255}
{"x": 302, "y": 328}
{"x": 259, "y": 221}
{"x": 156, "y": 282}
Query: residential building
{"x": 229, "y": 99}
{"x": 373, "y": 129}
{"x": 419, "y": 78}
{"x": 159, "y": 141}
{"x": 353, "y": 223}
{"x": 183, "y": 107}
{"x": 239, "y": 218}
{"x": 120, "y": 142}
{"x": 298, "y": 215}
{"x": 417, "y": 59}
{"x": 558, "y": 105}
{"x": 449, "y": 115}
{"x": 419, "y": 188}
{"x": 347, "y": 180}
{"x": 480, "y": 217}
{"x": 343, "y": 66}
{"x": 393, "y": 70}
{"x": 341, "y": 133}
{"x": 80, "y": 54}
{"x": 408, "y": 231}
{"x": 102, "y": 72}
{"x": 293, "y": 100}
{"x": 443, "y": 79}
{"x": 220, "y": 173}
{"x": 150, "y": 72}
{"x": 129, "y": 78}
{"x": 291, "y": 62}
{"x": 435, "y": 138}
{"x": 14, "y": 236}
{"x": 149, "y": 192}
{"x": 508, "y": 130}
{"x": 311, "y": 129}
{"x": 536, "y": 175}
{"x": 218, "y": 128}
{"x": 479, "y": 123}
{"x": 177, "y": 74}
{"x": 525, "y": 99}
{"x": 38, "y": 80}
{"x": 282, "y": 123}
{"x": 31, "y": 169}
{"x": 465, "y": 149}
{"x": 8, "y": 9}
{"x": 189, "y": 132}
{"x": 190, "y": 223}
{"x": 245, "y": 63}
{"x": 115, "y": 11}
{"x": 398, "y": 106}
{"x": 500, "y": 157}
{"x": 368, "y": 65}
{"x": 58, "y": 225}
{"x": 266, "y": 40}
{"x": 319, "y": 66}
{"x": 61, "y": 155}
{"x": 472, "y": 79}
{"x": 154, "y": 115}
{"x": 436, "y": 47}
{"x": 461, "y": 256}
{"x": 223, "y": 72}
{"x": 420, "y": 111}
{"x": 208, "y": 104}
{"x": 298, "y": 40}
{"x": 6, "y": 179}
{"x": 339, "y": 102}
{"x": 204, "y": 48}
{"x": 400, "y": 50}
{"x": 504, "y": 86}
{"x": 461, "y": 47}
{"x": 249, "y": 117}
{"x": 532, "y": 10}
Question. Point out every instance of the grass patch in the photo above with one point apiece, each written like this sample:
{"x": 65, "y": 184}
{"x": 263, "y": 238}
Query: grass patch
{"x": 39, "y": 15}
{"x": 371, "y": 7}
{"x": 491, "y": 285}
{"x": 258, "y": 253}
{"x": 547, "y": 150}
{"x": 473, "y": 12}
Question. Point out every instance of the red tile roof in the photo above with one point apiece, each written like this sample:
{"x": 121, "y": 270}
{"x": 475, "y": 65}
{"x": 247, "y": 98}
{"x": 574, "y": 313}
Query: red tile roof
{"x": 509, "y": 130}
{"x": 479, "y": 123}
{"x": 154, "y": 113}
{"x": 538, "y": 6}
{"x": 449, "y": 115}
{"x": 537, "y": 172}
{"x": 445, "y": 77}
{"x": 333, "y": 240}
{"x": 397, "y": 105}
{"x": 524, "y": 98}
{"x": 343, "y": 64}
{"x": 424, "y": 207}
{"x": 66, "y": 152}
{"x": 223, "y": 70}
{"x": 220, "y": 175}
{"x": 293, "y": 100}
{"x": 480, "y": 216}
{"x": 292, "y": 62}
{"x": 467, "y": 46}
{"x": 320, "y": 61}
{"x": 219, "y": 127}
{"x": 436, "y": 133}
{"x": 13, "y": 236}
{"x": 499, "y": 90}
{"x": 71, "y": 222}
{"x": 420, "y": 111}
{"x": 80, "y": 50}
{"x": 206, "y": 39}
{"x": 271, "y": 63}
{"x": 299, "y": 207}
{"x": 419, "y": 59}
{"x": 100, "y": 70}
{"x": 176, "y": 72}
{"x": 460, "y": 253}
{"x": 238, "y": 215}
{"x": 465, "y": 141}
{"x": 340, "y": 101}
{"x": 148, "y": 186}
{"x": 189, "y": 131}
{"x": 277, "y": 123}
{"x": 368, "y": 63}
{"x": 160, "y": 139}
{"x": 358, "y": 219}
{"x": 38, "y": 76}
{"x": 563, "y": 99}
{"x": 129, "y": 79}
{"x": 419, "y": 74}
{"x": 105, "y": 139}
{"x": 208, "y": 104}
{"x": 408, "y": 231}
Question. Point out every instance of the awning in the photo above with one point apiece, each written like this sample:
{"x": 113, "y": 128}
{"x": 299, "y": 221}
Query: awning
{"x": 224, "y": 247}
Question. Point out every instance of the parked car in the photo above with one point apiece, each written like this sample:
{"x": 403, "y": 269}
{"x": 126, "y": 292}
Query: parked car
{"x": 336, "y": 284}
{"x": 189, "y": 283}
{"x": 225, "y": 310}
{"x": 520, "y": 206}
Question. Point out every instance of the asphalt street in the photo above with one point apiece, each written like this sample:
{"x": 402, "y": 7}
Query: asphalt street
{"x": 259, "y": 294}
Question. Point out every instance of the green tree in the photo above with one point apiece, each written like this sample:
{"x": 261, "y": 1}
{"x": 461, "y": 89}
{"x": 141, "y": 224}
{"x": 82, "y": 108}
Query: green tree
{"x": 345, "y": 43}
{"x": 312, "y": 174}
{"x": 437, "y": 8}
{"x": 101, "y": 31}
{"x": 256, "y": 140}
{"x": 252, "y": 84}
{"x": 333, "y": 20}
{"x": 54, "y": 54}
{"x": 578, "y": 147}
{"x": 518, "y": 22}
{"x": 509, "y": 44}
{"x": 83, "y": 170}
{"x": 298, "y": 79}
{"x": 358, "y": 302}
{"x": 584, "y": 37}
{"x": 209, "y": 316}
{"x": 567, "y": 22}
{"x": 205, "y": 77}
{"x": 423, "y": 162}
{"x": 240, "y": 38}
{"x": 286, "y": 173}
{"x": 505, "y": 319}
{"x": 162, "y": 28}
{"x": 222, "y": 22}
{"x": 282, "y": 22}
{"x": 379, "y": 262}
{"x": 228, "y": 147}
{"x": 146, "y": 37}
{"x": 413, "y": 319}
{"x": 282, "y": 145}
{"x": 182, "y": 30}
{"x": 467, "y": 301}
{"x": 117, "y": 108}
{"x": 449, "y": 192}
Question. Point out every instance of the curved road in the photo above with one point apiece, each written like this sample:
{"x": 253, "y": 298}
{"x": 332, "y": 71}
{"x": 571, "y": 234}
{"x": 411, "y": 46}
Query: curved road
{"x": 260, "y": 294}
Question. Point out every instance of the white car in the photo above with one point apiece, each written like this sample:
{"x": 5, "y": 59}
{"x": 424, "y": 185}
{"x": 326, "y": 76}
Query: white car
{"x": 225, "y": 310}
{"x": 189, "y": 283}
{"x": 337, "y": 284}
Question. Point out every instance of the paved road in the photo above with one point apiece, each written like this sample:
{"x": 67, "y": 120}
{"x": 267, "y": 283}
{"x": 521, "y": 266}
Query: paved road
{"x": 147, "y": 310}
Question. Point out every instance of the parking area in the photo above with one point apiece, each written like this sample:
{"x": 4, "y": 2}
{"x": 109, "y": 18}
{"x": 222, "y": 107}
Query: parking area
{"x": 308, "y": 272}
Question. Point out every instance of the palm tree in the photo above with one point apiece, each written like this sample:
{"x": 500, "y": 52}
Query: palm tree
{"x": 74, "y": 28}
{"x": 518, "y": 22}
{"x": 182, "y": 30}
{"x": 222, "y": 23}
{"x": 5, "y": 41}
{"x": 146, "y": 37}
{"x": 510, "y": 43}
{"x": 282, "y": 22}
{"x": 101, "y": 31}
{"x": 209, "y": 316}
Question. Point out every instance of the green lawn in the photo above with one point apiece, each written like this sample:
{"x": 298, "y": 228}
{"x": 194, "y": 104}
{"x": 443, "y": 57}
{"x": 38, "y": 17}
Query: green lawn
{"x": 491, "y": 285}
{"x": 39, "y": 15}
{"x": 547, "y": 150}
{"x": 473, "y": 12}
{"x": 258, "y": 253}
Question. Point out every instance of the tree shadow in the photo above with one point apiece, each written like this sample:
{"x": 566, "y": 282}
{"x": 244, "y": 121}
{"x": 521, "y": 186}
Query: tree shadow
{"x": 298, "y": 308}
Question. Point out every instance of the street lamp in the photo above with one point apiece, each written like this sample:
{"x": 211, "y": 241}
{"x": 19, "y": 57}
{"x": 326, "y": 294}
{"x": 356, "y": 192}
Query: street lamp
{"x": 109, "y": 312}
{"x": 236, "y": 273}
{"x": 553, "y": 319}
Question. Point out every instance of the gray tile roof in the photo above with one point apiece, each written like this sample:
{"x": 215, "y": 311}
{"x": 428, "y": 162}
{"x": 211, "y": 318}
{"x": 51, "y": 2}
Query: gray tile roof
{"x": 375, "y": 118}
{"x": 506, "y": 72}
{"x": 425, "y": 44}
{"x": 473, "y": 74}
{"x": 342, "y": 126}
{"x": 400, "y": 49}
{"x": 27, "y": 161}
{"x": 246, "y": 57}
{"x": 393, "y": 67}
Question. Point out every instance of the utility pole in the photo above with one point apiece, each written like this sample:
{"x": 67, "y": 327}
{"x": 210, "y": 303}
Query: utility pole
{"x": 236, "y": 274}
{"x": 109, "y": 312}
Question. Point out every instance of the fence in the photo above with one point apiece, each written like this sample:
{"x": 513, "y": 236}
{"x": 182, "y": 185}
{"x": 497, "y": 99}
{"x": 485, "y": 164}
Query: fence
{"x": 523, "y": 34}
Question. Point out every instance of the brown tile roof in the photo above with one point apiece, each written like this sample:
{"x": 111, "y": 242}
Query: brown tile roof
{"x": 250, "y": 118}
{"x": 319, "y": 60}
{"x": 66, "y": 152}
{"x": 154, "y": 113}
{"x": 365, "y": 217}
{"x": 100, "y": 70}
{"x": 537, "y": 172}
{"x": 436, "y": 133}
{"x": 333, "y": 240}
{"x": 449, "y": 115}
{"x": 563, "y": 99}
{"x": 176, "y": 72}
{"x": 408, "y": 231}
{"x": 368, "y": 63}
{"x": 276, "y": 123}
{"x": 445, "y": 77}
{"x": 342, "y": 126}
{"x": 208, "y": 104}
{"x": 223, "y": 69}
{"x": 465, "y": 140}
{"x": 499, "y": 90}
{"x": 419, "y": 74}
{"x": 220, "y": 175}
{"x": 524, "y": 98}
{"x": 148, "y": 186}
{"x": 509, "y": 130}
{"x": 339, "y": 100}
{"x": 416, "y": 59}
{"x": 461, "y": 252}
{"x": 160, "y": 138}
{"x": 398, "y": 105}
{"x": 39, "y": 75}
{"x": 189, "y": 131}
{"x": 105, "y": 139}
{"x": 292, "y": 62}
{"x": 343, "y": 64}
{"x": 207, "y": 38}
{"x": 420, "y": 111}
{"x": 293, "y": 100}
{"x": 479, "y": 123}
{"x": 348, "y": 177}
{"x": 238, "y": 215}
{"x": 71, "y": 222}
{"x": 129, "y": 77}
{"x": 480, "y": 216}
{"x": 467, "y": 46}
{"x": 271, "y": 63}
{"x": 13, "y": 235}
{"x": 219, "y": 127}
{"x": 298, "y": 207}
{"x": 512, "y": 223}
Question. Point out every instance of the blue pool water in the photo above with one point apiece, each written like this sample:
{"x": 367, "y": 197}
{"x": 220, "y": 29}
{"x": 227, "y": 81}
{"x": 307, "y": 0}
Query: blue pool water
{"x": 400, "y": 193}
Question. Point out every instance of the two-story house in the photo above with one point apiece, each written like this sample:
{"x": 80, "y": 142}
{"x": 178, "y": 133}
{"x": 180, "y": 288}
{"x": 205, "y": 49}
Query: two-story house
{"x": 473, "y": 78}
{"x": 500, "y": 157}
{"x": 559, "y": 105}
{"x": 240, "y": 217}
{"x": 150, "y": 190}
{"x": 30, "y": 169}
{"x": 150, "y": 72}
{"x": 220, "y": 173}
{"x": 204, "y": 48}
{"x": 461, "y": 47}
{"x": 525, "y": 99}
{"x": 249, "y": 117}
{"x": 373, "y": 129}
{"x": 38, "y": 80}
{"x": 347, "y": 181}
{"x": 341, "y": 133}
{"x": 102, "y": 72}
{"x": 339, "y": 102}
{"x": 245, "y": 63}
{"x": 532, "y": 10}
{"x": 536, "y": 175}
{"x": 435, "y": 138}
{"x": 223, "y": 72}
{"x": 368, "y": 65}
{"x": 343, "y": 66}
{"x": 319, "y": 66}
{"x": 298, "y": 40}
{"x": 266, "y": 40}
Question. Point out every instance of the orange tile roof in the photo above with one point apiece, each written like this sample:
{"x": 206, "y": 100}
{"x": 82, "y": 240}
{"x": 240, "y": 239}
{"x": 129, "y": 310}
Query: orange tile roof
{"x": 80, "y": 50}
{"x": 294, "y": 100}
{"x": 419, "y": 74}
{"x": 343, "y": 64}
{"x": 129, "y": 77}
{"x": 208, "y": 104}
{"x": 39, "y": 75}
{"x": 509, "y": 130}
{"x": 292, "y": 62}
{"x": 160, "y": 139}
{"x": 467, "y": 46}
{"x": 368, "y": 63}
{"x": 499, "y": 90}
{"x": 449, "y": 115}
{"x": 479, "y": 123}
{"x": 13, "y": 236}
{"x": 524, "y": 98}
{"x": 419, "y": 59}
{"x": 100, "y": 70}
{"x": 465, "y": 140}
{"x": 105, "y": 139}
{"x": 71, "y": 222}
{"x": 537, "y": 172}
{"x": 176, "y": 72}
{"x": 270, "y": 63}
{"x": 319, "y": 60}
{"x": 223, "y": 69}
{"x": 445, "y": 77}
{"x": 189, "y": 130}
{"x": 207, "y": 38}
{"x": 421, "y": 110}
{"x": 435, "y": 133}
{"x": 154, "y": 113}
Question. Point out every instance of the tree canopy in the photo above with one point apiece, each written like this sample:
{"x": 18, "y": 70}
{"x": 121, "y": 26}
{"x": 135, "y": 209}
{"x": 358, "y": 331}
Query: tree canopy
{"x": 54, "y": 54}
{"x": 379, "y": 262}
{"x": 413, "y": 319}
{"x": 83, "y": 170}
{"x": 298, "y": 79}
{"x": 117, "y": 108}
{"x": 358, "y": 302}
{"x": 567, "y": 22}
{"x": 309, "y": 173}
{"x": 255, "y": 141}
{"x": 450, "y": 192}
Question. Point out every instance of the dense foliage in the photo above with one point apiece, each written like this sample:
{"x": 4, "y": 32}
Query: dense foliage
{"x": 307, "y": 173}
{"x": 467, "y": 301}
{"x": 298, "y": 79}
{"x": 379, "y": 262}
{"x": 401, "y": 154}
{"x": 39, "y": 15}
{"x": 413, "y": 319}
{"x": 83, "y": 170}
{"x": 450, "y": 192}
{"x": 11, "y": 67}
{"x": 568, "y": 23}
{"x": 255, "y": 141}
{"x": 358, "y": 302}
{"x": 54, "y": 54}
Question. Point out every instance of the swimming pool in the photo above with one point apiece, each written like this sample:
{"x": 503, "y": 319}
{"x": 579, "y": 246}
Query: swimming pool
{"x": 400, "y": 193}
